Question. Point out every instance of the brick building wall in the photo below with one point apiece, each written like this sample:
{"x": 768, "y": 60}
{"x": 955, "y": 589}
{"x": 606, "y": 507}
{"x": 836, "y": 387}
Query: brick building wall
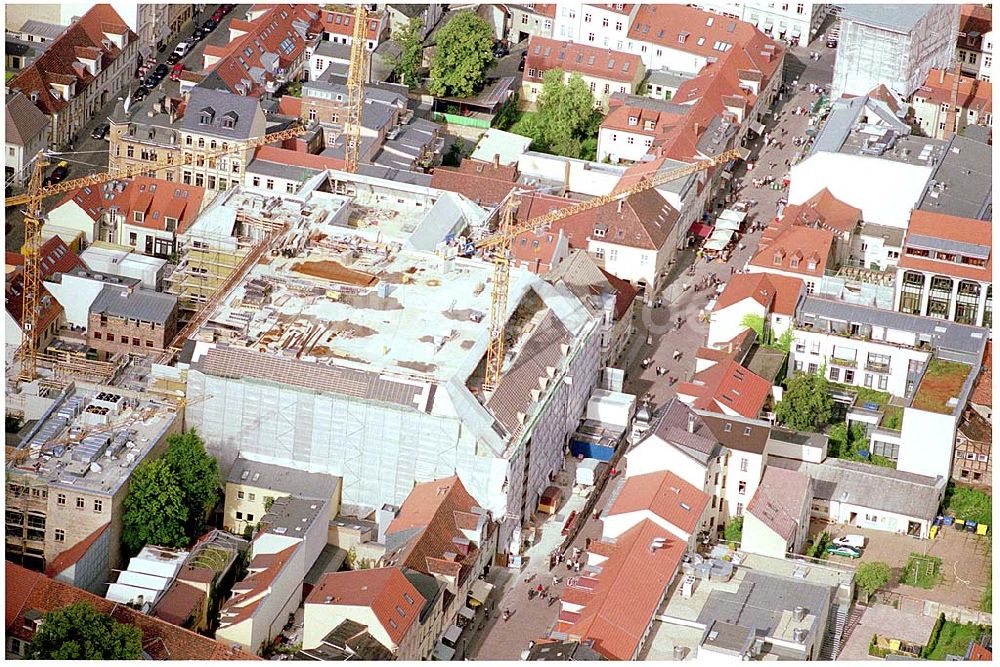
{"x": 109, "y": 334}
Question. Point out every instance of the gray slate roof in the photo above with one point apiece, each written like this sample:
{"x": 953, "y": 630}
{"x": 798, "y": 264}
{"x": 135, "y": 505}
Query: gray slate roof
{"x": 871, "y": 486}
{"x": 700, "y": 445}
{"x": 900, "y": 18}
{"x": 333, "y": 50}
{"x": 24, "y": 121}
{"x": 968, "y": 178}
{"x": 47, "y": 30}
{"x": 967, "y": 341}
{"x": 243, "y": 110}
{"x": 761, "y": 599}
{"x": 139, "y": 304}
{"x": 279, "y": 478}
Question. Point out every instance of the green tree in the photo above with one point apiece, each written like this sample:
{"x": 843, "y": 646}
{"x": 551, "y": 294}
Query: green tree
{"x": 154, "y": 508}
{"x": 733, "y": 532}
{"x": 566, "y": 115}
{"x": 80, "y": 632}
{"x": 755, "y": 323}
{"x": 412, "y": 43}
{"x": 464, "y": 53}
{"x": 806, "y": 404}
{"x": 872, "y": 576}
{"x": 197, "y": 475}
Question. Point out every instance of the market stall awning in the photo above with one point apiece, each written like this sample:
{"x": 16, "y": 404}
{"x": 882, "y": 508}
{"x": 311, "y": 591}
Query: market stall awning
{"x": 757, "y": 128}
{"x": 726, "y": 224}
{"x": 714, "y": 245}
{"x": 796, "y": 32}
{"x": 480, "y": 591}
{"x": 745, "y": 152}
{"x": 466, "y": 613}
{"x": 736, "y": 216}
{"x": 443, "y": 653}
{"x": 701, "y": 229}
{"x": 723, "y": 235}
{"x": 451, "y": 635}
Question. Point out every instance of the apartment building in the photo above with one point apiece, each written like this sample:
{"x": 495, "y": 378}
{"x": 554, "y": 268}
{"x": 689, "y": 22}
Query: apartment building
{"x": 974, "y": 451}
{"x": 265, "y": 51}
{"x": 80, "y": 72}
{"x": 531, "y": 20}
{"x": 159, "y": 23}
{"x": 148, "y": 214}
{"x": 975, "y": 41}
{"x": 603, "y": 70}
{"x": 603, "y": 26}
{"x": 946, "y": 270}
{"x": 634, "y": 124}
{"x": 895, "y": 45}
{"x": 776, "y": 522}
{"x": 944, "y": 106}
{"x": 203, "y": 122}
{"x": 127, "y": 318}
{"x": 64, "y": 501}
{"x": 797, "y": 22}
{"x": 400, "y": 14}
{"x": 770, "y": 296}
{"x": 336, "y": 24}
{"x": 27, "y": 133}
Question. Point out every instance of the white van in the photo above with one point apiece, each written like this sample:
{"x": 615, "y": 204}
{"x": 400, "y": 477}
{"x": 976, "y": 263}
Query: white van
{"x": 182, "y": 49}
{"x": 856, "y": 541}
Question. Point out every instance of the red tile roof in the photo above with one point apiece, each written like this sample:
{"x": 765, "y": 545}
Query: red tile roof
{"x": 780, "y": 499}
{"x": 27, "y": 590}
{"x": 297, "y": 158}
{"x": 791, "y": 248}
{"x": 275, "y": 31}
{"x": 949, "y": 228}
{"x": 179, "y": 603}
{"x": 430, "y": 513}
{"x": 537, "y": 249}
{"x": 664, "y": 494}
{"x": 250, "y": 592}
{"x": 979, "y": 652}
{"x": 628, "y": 592}
{"x": 625, "y": 293}
{"x": 484, "y": 187}
{"x": 730, "y": 385}
{"x": 158, "y": 200}
{"x": 59, "y": 63}
{"x": 56, "y": 257}
{"x": 973, "y": 93}
{"x": 572, "y": 57}
{"x": 825, "y": 211}
{"x": 975, "y": 18}
{"x": 386, "y": 591}
{"x": 74, "y": 553}
{"x": 687, "y": 29}
{"x": 338, "y": 22}
{"x": 742, "y": 286}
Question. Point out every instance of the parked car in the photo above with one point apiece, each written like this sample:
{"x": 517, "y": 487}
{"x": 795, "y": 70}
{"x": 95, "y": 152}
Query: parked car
{"x": 175, "y": 73}
{"x": 198, "y": 34}
{"x": 844, "y": 551}
{"x": 140, "y": 93}
{"x": 58, "y": 174}
{"x": 100, "y": 132}
{"x": 151, "y": 81}
{"x": 181, "y": 50}
{"x": 209, "y": 25}
{"x": 227, "y": 8}
{"x": 500, "y": 50}
{"x": 218, "y": 14}
{"x": 854, "y": 541}
{"x": 161, "y": 70}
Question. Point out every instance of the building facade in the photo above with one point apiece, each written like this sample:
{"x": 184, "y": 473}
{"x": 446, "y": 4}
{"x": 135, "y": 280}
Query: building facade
{"x": 159, "y": 23}
{"x": 131, "y": 319}
{"x": 975, "y": 41}
{"x": 944, "y": 106}
{"x": 797, "y": 22}
{"x": 604, "y": 71}
{"x": 27, "y": 133}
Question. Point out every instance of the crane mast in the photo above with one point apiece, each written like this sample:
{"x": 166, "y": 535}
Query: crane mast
{"x": 501, "y": 242}
{"x": 355, "y": 91}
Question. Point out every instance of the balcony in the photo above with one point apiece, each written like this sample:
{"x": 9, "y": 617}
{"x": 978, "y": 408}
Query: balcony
{"x": 877, "y": 367}
{"x": 847, "y": 363}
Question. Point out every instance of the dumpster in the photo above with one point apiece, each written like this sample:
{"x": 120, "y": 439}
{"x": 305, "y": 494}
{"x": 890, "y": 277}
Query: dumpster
{"x": 970, "y": 526}
{"x": 948, "y": 520}
{"x": 934, "y": 530}
{"x": 982, "y": 529}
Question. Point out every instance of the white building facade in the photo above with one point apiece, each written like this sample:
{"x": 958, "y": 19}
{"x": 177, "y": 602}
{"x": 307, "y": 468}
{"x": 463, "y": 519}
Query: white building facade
{"x": 797, "y": 22}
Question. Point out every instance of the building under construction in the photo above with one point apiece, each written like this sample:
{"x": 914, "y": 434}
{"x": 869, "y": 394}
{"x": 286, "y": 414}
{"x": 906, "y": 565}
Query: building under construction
{"x": 358, "y": 350}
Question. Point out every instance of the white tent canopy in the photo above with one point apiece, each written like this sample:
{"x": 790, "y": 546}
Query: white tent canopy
{"x": 736, "y": 216}
{"x": 721, "y": 235}
{"x": 727, "y": 225}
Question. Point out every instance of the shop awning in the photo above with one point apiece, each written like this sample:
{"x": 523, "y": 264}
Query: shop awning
{"x": 730, "y": 225}
{"x": 466, "y": 613}
{"x": 723, "y": 235}
{"x": 796, "y": 32}
{"x": 745, "y": 152}
{"x": 757, "y": 128}
{"x": 480, "y": 591}
{"x": 701, "y": 229}
{"x": 714, "y": 246}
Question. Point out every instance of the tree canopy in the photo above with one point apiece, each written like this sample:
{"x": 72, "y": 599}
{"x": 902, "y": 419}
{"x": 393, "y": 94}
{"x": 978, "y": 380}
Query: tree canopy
{"x": 412, "y": 43}
{"x": 566, "y": 115}
{"x": 872, "y": 576}
{"x": 169, "y": 497}
{"x": 806, "y": 404}
{"x": 80, "y": 632}
{"x": 464, "y": 53}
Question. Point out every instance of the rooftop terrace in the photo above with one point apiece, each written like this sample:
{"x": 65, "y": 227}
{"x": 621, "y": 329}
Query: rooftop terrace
{"x": 941, "y": 386}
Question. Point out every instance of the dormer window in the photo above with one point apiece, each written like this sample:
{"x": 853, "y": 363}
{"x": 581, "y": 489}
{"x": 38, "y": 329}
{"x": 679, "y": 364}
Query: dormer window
{"x": 633, "y": 120}
{"x": 793, "y": 262}
{"x": 812, "y": 265}
{"x": 777, "y": 258}
{"x": 683, "y": 37}
{"x": 207, "y": 116}
{"x": 650, "y": 125}
{"x": 138, "y": 216}
{"x": 599, "y": 232}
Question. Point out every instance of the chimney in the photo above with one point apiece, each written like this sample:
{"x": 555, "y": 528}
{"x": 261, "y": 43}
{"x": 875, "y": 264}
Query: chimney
{"x": 621, "y": 204}
{"x": 697, "y": 129}
{"x": 496, "y": 160}
{"x": 799, "y": 614}
{"x": 941, "y": 76}
{"x": 691, "y": 423}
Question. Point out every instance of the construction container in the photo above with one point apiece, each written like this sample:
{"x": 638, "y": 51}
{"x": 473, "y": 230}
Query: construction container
{"x": 611, "y": 407}
{"x": 586, "y": 471}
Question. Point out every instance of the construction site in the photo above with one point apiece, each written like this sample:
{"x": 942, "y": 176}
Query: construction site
{"x": 67, "y": 479}
{"x": 358, "y": 349}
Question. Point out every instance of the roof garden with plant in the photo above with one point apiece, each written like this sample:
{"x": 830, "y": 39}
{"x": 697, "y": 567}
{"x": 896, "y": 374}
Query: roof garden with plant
{"x": 942, "y": 382}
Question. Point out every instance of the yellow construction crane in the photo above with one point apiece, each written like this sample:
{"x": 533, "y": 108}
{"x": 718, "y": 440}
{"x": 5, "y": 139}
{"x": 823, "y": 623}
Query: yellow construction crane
{"x": 500, "y": 243}
{"x": 355, "y": 90}
{"x": 33, "y": 221}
